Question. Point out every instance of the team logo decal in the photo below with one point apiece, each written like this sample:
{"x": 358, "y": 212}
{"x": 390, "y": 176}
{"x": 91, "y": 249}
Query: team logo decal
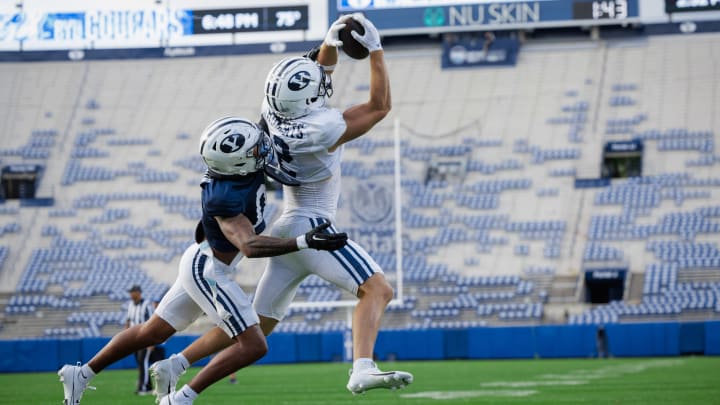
{"x": 299, "y": 80}
{"x": 232, "y": 143}
{"x": 372, "y": 203}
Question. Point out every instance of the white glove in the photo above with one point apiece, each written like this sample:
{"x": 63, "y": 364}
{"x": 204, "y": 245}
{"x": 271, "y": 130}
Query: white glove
{"x": 331, "y": 38}
{"x": 371, "y": 38}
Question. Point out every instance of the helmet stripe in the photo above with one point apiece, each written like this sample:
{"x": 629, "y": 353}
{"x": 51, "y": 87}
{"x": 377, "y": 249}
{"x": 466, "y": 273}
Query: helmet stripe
{"x": 276, "y": 78}
{"x": 280, "y": 70}
{"x": 288, "y": 64}
{"x": 227, "y": 121}
{"x": 277, "y": 74}
{"x": 267, "y": 85}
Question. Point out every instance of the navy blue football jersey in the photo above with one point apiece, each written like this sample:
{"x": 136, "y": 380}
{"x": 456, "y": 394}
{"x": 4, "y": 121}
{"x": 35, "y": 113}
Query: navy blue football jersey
{"x": 228, "y": 198}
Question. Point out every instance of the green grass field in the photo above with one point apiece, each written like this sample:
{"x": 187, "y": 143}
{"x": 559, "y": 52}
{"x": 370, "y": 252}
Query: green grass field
{"x": 682, "y": 380}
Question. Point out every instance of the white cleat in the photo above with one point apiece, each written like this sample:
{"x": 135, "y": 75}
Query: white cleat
{"x": 165, "y": 377}
{"x": 74, "y": 383}
{"x": 371, "y": 378}
{"x": 176, "y": 398}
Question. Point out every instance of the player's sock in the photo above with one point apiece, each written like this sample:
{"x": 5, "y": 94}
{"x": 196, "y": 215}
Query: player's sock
{"x": 180, "y": 364}
{"x": 363, "y": 363}
{"x": 87, "y": 372}
{"x": 187, "y": 392}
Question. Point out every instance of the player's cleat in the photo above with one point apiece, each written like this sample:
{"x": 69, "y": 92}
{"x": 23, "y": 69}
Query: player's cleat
{"x": 165, "y": 374}
{"x": 74, "y": 383}
{"x": 176, "y": 398}
{"x": 370, "y": 378}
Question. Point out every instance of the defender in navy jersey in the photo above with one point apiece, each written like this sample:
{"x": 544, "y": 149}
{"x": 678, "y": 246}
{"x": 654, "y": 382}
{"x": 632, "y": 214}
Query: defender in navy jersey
{"x": 233, "y": 198}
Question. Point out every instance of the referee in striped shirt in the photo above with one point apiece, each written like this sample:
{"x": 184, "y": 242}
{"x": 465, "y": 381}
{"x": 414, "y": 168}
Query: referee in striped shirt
{"x": 139, "y": 311}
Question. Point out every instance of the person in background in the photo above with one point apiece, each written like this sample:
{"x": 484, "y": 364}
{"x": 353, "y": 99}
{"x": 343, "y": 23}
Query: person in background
{"x": 139, "y": 311}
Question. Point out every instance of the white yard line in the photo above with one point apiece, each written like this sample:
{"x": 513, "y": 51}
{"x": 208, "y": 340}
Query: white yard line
{"x": 442, "y": 395}
{"x": 612, "y": 370}
{"x": 528, "y": 384}
{"x": 584, "y": 376}
{"x": 574, "y": 377}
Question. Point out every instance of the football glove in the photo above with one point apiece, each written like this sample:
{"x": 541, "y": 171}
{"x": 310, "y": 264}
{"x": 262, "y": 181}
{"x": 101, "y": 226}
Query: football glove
{"x": 371, "y": 38}
{"x": 318, "y": 239}
{"x": 331, "y": 38}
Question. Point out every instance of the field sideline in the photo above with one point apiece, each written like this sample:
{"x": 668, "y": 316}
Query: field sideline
{"x": 680, "y": 380}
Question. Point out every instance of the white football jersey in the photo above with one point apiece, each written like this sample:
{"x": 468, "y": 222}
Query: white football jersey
{"x": 301, "y": 146}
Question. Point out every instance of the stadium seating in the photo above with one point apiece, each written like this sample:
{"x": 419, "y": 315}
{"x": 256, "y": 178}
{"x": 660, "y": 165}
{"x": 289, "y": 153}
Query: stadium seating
{"x": 482, "y": 246}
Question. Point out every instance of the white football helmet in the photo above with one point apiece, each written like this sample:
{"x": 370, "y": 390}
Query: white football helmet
{"x": 295, "y": 86}
{"x": 233, "y": 146}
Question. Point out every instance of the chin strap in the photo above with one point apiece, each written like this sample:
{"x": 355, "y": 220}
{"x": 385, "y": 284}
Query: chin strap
{"x": 199, "y": 232}
{"x": 210, "y": 174}
{"x": 313, "y": 53}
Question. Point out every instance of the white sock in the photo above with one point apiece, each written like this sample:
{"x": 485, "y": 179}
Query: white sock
{"x": 188, "y": 392}
{"x": 363, "y": 363}
{"x": 87, "y": 372}
{"x": 180, "y": 361}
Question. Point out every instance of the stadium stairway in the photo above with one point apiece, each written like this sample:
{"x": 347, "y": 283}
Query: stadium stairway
{"x": 636, "y": 284}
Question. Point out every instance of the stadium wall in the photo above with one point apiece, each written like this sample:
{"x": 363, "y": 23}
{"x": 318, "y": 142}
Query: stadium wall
{"x": 557, "y": 341}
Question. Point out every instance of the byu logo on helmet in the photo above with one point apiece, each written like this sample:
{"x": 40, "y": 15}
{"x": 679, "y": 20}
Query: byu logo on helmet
{"x": 232, "y": 143}
{"x": 299, "y": 80}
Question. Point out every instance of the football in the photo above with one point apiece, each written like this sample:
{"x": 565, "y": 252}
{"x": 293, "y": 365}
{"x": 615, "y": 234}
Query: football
{"x": 351, "y": 47}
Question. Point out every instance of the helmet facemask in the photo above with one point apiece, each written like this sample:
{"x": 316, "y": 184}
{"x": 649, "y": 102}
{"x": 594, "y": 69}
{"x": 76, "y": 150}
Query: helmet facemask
{"x": 261, "y": 151}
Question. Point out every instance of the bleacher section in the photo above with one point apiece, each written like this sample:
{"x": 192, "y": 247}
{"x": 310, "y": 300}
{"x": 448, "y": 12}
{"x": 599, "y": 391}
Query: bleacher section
{"x": 483, "y": 245}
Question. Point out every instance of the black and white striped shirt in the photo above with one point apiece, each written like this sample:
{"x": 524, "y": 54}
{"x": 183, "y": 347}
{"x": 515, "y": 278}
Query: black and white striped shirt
{"x": 140, "y": 312}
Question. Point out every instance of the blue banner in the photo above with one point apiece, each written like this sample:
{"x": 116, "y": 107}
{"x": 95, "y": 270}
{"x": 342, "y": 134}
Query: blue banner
{"x": 592, "y": 183}
{"x": 97, "y": 25}
{"x": 484, "y": 52}
{"x": 469, "y": 14}
{"x": 681, "y": 6}
{"x": 634, "y": 145}
{"x": 104, "y": 24}
{"x": 605, "y": 274}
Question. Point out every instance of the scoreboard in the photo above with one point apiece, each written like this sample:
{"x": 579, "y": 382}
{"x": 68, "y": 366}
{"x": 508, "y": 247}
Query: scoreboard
{"x": 418, "y": 16}
{"x": 599, "y": 9}
{"x": 679, "y": 6}
{"x": 42, "y": 25}
{"x": 256, "y": 19}
{"x": 189, "y": 27}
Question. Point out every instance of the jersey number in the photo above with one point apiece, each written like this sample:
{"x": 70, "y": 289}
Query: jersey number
{"x": 283, "y": 152}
